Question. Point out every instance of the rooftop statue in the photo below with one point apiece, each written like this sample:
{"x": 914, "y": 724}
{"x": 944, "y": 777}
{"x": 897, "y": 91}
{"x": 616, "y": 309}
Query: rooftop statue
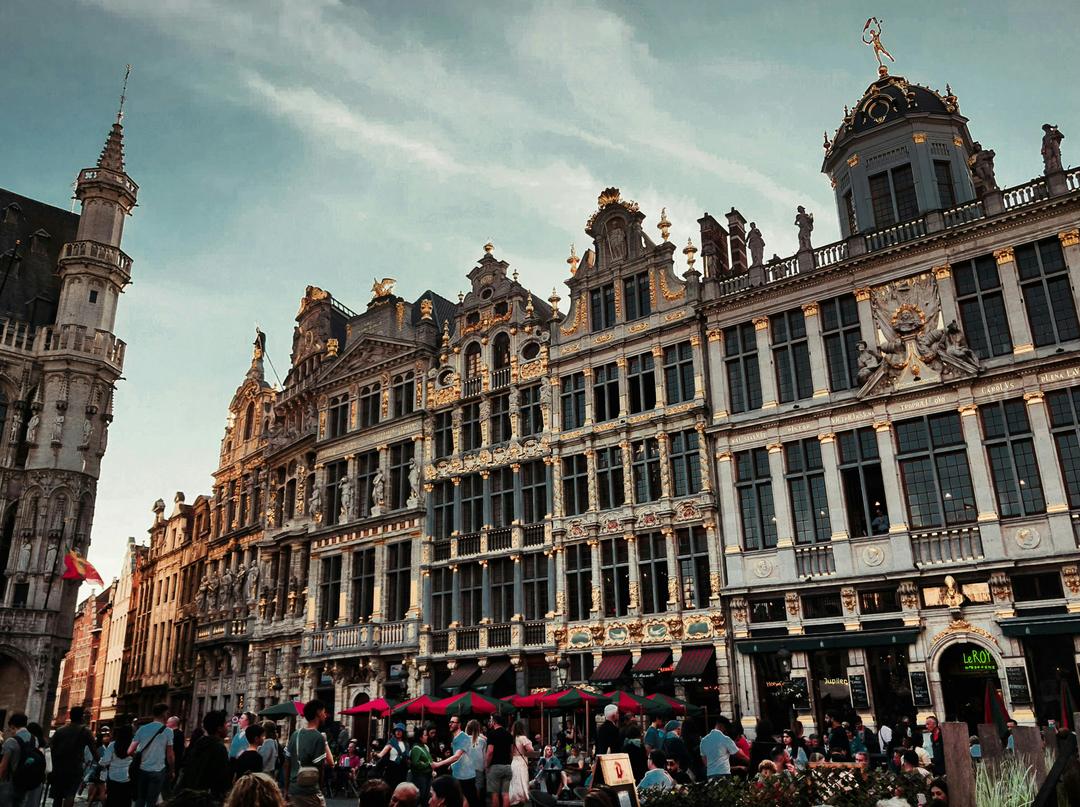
{"x": 1051, "y": 148}
{"x": 871, "y": 35}
{"x": 982, "y": 169}
{"x": 805, "y": 222}
{"x": 382, "y": 288}
{"x": 756, "y": 243}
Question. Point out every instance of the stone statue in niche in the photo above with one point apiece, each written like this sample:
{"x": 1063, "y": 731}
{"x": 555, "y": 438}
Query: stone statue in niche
{"x": 202, "y": 595}
{"x": 51, "y": 554}
{"x": 869, "y": 361}
{"x": 87, "y": 433}
{"x": 226, "y": 588}
{"x": 414, "y": 483}
{"x": 1051, "y": 148}
{"x": 32, "y": 429}
{"x": 616, "y": 240}
{"x": 58, "y": 429}
{"x": 378, "y": 493}
{"x": 252, "y": 580}
{"x": 346, "y": 495}
{"x": 212, "y": 593}
{"x": 756, "y": 243}
{"x": 315, "y": 502}
{"x": 805, "y": 222}
{"x": 238, "y": 584}
{"x": 25, "y": 551}
{"x": 16, "y": 424}
{"x": 982, "y": 169}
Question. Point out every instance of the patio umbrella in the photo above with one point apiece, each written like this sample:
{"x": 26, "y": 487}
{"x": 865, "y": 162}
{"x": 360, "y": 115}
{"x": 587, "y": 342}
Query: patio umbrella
{"x": 469, "y": 703}
{"x": 573, "y": 698}
{"x": 378, "y": 707}
{"x": 677, "y": 706}
{"x": 284, "y": 709}
{"x": 413, "y": 707}
{"x": 524, "y": 701}
{"x": 633, "y": 704}
{"x": 994, "y": 710}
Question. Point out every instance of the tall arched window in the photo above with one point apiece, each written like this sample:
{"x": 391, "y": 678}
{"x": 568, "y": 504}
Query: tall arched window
{"x": 249, "y": 420}
{"x": 472, "y": 360}
{"x": 500, "y": 351}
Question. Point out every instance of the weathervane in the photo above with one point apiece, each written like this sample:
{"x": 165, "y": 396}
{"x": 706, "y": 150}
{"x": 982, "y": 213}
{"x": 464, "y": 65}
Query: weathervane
{"x": 123, "y": 94}
{"x": 872, "y": 29}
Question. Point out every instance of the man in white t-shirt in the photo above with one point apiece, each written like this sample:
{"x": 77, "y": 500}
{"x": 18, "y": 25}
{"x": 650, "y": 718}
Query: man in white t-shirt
{"x": 717, "y": 749}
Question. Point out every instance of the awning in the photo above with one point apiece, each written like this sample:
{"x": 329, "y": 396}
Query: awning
{"x": 492, "y": 673}
{"x": 1046, "y": 625}
{"x": 692, "y": 665}
{"x": 650, "y": 663}
{"x": 828, "y": 641}
{"x": 461, "y": 675}
{"x": 610, "y": 668}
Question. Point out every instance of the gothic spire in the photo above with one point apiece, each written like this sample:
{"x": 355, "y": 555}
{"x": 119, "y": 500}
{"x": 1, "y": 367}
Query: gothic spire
{"x": 112, "y": 156}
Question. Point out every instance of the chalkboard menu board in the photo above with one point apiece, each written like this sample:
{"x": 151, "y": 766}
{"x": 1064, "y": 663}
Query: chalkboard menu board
{"x": 800, "y": 696}
{"x": 1018, "y": 685}
{"x": 920, "y": 689}
{"x": 859, "y": 698}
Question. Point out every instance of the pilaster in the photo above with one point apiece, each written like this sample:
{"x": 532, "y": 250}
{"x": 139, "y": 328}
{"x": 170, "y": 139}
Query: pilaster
{"x": 835, "y": 496}
{"x": 717, "y": 375}
{"x": 1019, "y": 327}
{"x": 766, "y": 368}
{"x": 817, "y": 350}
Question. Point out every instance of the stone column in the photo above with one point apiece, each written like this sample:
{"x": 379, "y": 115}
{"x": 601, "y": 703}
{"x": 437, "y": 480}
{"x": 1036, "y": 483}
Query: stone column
{"x": 712, "y": 540}
{"x": 519, "y": 498}
{"x": 458, "y": 516}
{"x": 1070, "y": 245}
{"x": 551, "y": 575}
{"x": 519, "y": 589}
{"x": 597, "y": 609}
{"x": 890, "y": 475}
{"x": 946, "y": 293}
{"x": 345, "y": 595}
{"x": 837, "y": 513}
{"x": 589, "y": 420}
{"x": 455, "y": 596}
{"x": 665, "y": 469}
{"x": 628, "y": 471}
{"x": 1019, "y": 327}
{"x": 378, "y": 607}
{"x": 867, "y": 328}
{"x": 985, "y": 503}
{"x": 717, "y": 372}
{"x": 485, "y": 475}
{"x": 817, "y": 350}
{"x": 658, "y": 375}
{"x": 729, "y": 515}
{"x": 590, "y": 468}
{"x": 635, "y": 573}
{"x": 1053, "y": 484}
{"x": 624, "y": 387}
{"x": 559, "y": 556}
{"x": 699, "y": 367}
{"x": 765, "y": 363}
{"x": 785, "y": 541}
{"x": 416, "y": 559}
{"x": 704, "y": 458}
{"x": 674, "y": 603}
{"x": 485, "y": 595}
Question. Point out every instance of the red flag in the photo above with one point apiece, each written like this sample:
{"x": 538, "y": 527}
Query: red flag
{"x": 77, "y": 567}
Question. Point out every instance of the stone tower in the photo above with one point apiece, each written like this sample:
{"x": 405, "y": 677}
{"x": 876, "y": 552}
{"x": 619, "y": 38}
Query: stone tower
{"x": 58, "y": 430}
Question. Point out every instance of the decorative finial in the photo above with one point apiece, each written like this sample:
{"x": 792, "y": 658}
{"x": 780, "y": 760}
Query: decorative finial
{"x": 873, "y": 29}
{"x": 554, "y": 300}
{"x": 608, "y": 196}
{"x": 488, "y": 247}
{"x": 446, "y": 333}
{"x": 460, "y": 297}
{"x": 573, "y": 260}
{"x": 826, "y": 144}
{"x": 664, "y": 226}
{"x": 425, "y": 308}
{"x": 331, "y": 347}
{"x": 123, "y": 94}
{"x": 948, "y": 89}
{"x": 690, "y": 251}
{"x": 529, "y": 307}
{"x": 514, "y": 275}
{"x": 382, "y": 288}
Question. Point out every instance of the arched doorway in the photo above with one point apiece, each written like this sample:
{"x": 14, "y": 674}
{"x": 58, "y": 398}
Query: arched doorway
{"x": 358, "y": 727}
{"x": 965, "y": 671}
{"x": 14, "y": 687}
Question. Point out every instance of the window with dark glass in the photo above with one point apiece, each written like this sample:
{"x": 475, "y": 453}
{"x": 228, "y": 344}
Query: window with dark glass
{"x": 500, "y": 418}
{"x": 1010, "y": 447}
{"x": 404, "y": 394}
{"x": 502, "y": 497}
{"x": 862, "y": 483}
{"x": 841, "y": 334}
{"x": 641, "y": 380}
{"x": 678, "y": 373}
{"x": 401, "y": 455}
{"x": 645, "y": 463}
{"x": 1064, "y": 406}
{"x": 892, "y": 195}
{"x": 500, "y": 347}
{"x": 770, "y": 610}
{"x": 335, "y": 471}
{"x": 685, "y": 459}
{"x": 472, "y": 436}
{"x": 653, "y": 572}
{"x": 822, "y": 606}
{"x": 472, "y": 503}
{"x": 806, "y": 488}
{"x": 501, "y": 572}
{"x": 943, "y": 178}
{"x": 534, "y": 491}
{"x": 581, "y": 666}
{"x": 337, "y": 422}
{"x": 578, "y": 581}
{"x": 753, "y": 485}
{"x": 791, "y": 355}
{"x": 606, "y": 392}
{"x": 636, "y": 296}
{"x": 367, "y": 465}
{"x": 472, "y": 360}
{"x": 692, "y": 550}
{"x": 443, "y": 503}
{"x": 535, "y": 585}
{"x": 883, "y": 601}
{"x": 363, "y": 584}
{"x": 934, "y": 471}
{"x": 982, "y": 306}
{"x": 575, "y": 485}
{"x": 741, "y": 365}
{"x": 572, "y": 396}
{"x": 370, "y": 404}
{"x": 442, "y": 597}
{"x": 615, "y": 574}
{"x": 444, "y": 434}
{"x": 1039, "y": 586}
{"x": 330, "y": 590}
{"x": 602, "y": 307}
{"x": 849, "y": 211}
{"x": 471, "y": 593}
{"x": 1047, "y": 293}
{"x": 530, "y": 414}
{"x": 398, "y": 580}
{"x": 609, "y": 477}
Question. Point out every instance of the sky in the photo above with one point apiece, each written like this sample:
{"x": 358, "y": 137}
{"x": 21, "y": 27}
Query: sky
{"x": 282, "y": 143}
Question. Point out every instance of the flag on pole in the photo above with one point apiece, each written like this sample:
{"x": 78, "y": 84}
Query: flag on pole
{"x": 77, "y": 567}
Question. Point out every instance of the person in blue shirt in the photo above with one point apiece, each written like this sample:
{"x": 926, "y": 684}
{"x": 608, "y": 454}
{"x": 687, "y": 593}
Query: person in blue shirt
{"x": 154, "y": 742}
{"x": 655, "y": 736}
{"x": 239, "y": 742}
{"x": 656, "y": 777}
{"x": 717, "y": 749}
{"x": 460, "y": 762}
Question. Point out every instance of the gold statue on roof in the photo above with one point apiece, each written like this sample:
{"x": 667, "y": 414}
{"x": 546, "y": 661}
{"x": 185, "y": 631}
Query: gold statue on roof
{"x": 871, "y": 35}
{"x": 382, "y": 288}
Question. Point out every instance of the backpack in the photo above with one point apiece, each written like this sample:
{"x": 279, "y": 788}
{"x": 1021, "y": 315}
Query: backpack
{"x": 136, "y": 758}
{"x": 31, "y": 770}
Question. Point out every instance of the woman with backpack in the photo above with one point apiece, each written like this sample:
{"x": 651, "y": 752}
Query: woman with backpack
{"x": 115, "y": 764}
{"x": 394, "y": 757}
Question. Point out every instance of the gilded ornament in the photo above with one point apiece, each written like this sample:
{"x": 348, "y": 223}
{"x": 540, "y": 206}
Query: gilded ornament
{"x": 1070, "y": 238}
{"x": 1071, "y": 576}
{"x": 677, "y": 294}
{"x": 943, "y": 271}
{"x": 849, "y": 599}
{"x": 1001, "y": 587}
{"x": 664, "y": 226}
{"x": 909, "y": 595}
{"x": 382, "y": 288}
{"x": 963, "y": 626}
{"x": 1006, "y": 255}
{"x": 792, "y": 601}
{"x": 761, "y": 323}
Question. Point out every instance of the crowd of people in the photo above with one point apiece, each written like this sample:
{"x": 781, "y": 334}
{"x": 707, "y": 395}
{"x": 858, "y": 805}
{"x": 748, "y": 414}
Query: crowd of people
{"x": 241, "y": 762}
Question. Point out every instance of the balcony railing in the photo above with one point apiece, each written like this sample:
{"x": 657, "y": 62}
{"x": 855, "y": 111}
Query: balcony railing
{"x": 96, "y": 251}
{"x": 500, "y": 539}
{"x": 1072, "y": 179}
{"x": 471, "y": 387}
{"x": 946, "y": 546}
{"x": 500, "y": 378}
{"x": 534, "y": 535}
{"x": 440, "y": 641}
{"x": 830, "y": 254}
{"x": 497, "y": 636}
{"x": 535, "y": 633}
{"x": 897, "y": 234}
{"x": 16, "y": 335}
{"x": 781, "y": 270}
{"x": 468, "y": 544}
{"x": 963, "y": 214}
{"x": 468, "y": 638}
{"x": 1027, "y": 194}
{"x": 814, "y": 561}
{"x": 358, "y": 637}
{"x": 440, "y": 550}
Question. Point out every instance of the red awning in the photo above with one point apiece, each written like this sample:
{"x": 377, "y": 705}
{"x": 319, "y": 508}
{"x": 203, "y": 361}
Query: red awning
{"x": 694, "y": 662}
{"x": 611, "y": 668}
{"x": 461, "y": 675}
{"x": 650, "y": 663}
{"x": 492, "y": 673}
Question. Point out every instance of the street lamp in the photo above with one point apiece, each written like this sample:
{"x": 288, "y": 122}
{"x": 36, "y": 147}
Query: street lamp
{"x": 784, "y": 657}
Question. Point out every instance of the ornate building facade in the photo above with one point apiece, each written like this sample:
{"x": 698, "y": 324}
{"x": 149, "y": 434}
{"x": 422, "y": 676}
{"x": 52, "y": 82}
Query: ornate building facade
{"x": 63, "y": 276}
{"x": 846, "y": 479}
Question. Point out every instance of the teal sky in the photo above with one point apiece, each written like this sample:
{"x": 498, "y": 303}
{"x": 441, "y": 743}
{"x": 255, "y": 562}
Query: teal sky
{"x": 281, "y": 143}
